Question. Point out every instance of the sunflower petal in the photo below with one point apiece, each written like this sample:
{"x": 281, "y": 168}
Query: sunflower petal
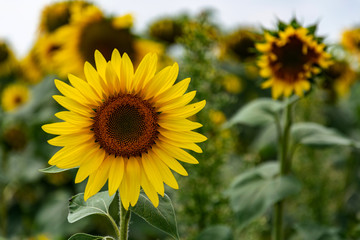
{"x": 134, "y": 176}
{"x": 92, "y": 160}
{"x": 178, "y": 153}
{"x": 116, "y": 173}
{"x": 170, "y": 161}
{"x": 186, "y": 136}
{"x": 152, "y": 173}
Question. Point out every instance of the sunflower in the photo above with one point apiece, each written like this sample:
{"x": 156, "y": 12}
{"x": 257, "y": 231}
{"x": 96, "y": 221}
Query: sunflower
{"x": 166, "y": 30}
{"x": 232, "y": 83}
{"x": 95, "y": 31}
{"x": 46, "y": 47}
{"x": 8, "y": 60}
{"x": 290, "y": 58}
{"x": 125, "y": 127}
{"x": 14, "y": 96}
{"x": 59, "y": 14}
{"x": 240, "y": 44}
{"x": 351, "y": 40}
{"x": 30, "y": 67}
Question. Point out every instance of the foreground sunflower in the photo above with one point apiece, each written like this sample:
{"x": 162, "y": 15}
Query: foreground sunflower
{"x": 290, "y": 58}
{"x": 125, "y": 127}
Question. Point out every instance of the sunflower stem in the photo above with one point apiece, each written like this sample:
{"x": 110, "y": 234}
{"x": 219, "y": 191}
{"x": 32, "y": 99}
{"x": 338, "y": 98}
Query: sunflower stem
{"x": 124, "y": 221}
{"x": 277, "y": 233}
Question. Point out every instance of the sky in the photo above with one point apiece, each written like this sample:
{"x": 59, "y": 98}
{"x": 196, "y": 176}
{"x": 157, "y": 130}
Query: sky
{"x": 19, "y": 18}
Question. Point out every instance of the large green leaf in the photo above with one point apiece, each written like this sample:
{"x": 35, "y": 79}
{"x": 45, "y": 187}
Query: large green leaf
{"x": 218, "y": 232}
{"x": 257, "y": 112}
{"x": 97, "y": 204}
{"x": 254, "y": 191}
{"x": 84, "y": 236}
{"x": 316, "y": 135}
{"x": 316, "y": 232}
{"x": 162, "y": 217}
{"x": 52, "y": 169}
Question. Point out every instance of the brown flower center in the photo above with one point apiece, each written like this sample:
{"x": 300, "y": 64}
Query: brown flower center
{"x": 126, "y": 125}
{"x": 291, "y": 58}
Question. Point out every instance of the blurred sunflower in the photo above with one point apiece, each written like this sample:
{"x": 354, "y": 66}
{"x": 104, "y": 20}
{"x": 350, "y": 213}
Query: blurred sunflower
{"x": 59, "y": 14}
{"x": 351, "y": 40}
{"x": 8, "y": 60}
{"x": 232, "y": 84}
{"x": 30, "y": 67}
{"x": 94, "y": 31}
{"x": 217, "y": 117}
{"x": 14, "y": 96}
{"x": 290, "y": 58}
{"x": 166, "y": 30}
{"x": 240, "y": 44}
{"x": 339, "y": 77}
{"x": 46, "y": 47}
{"x": 125, "y": 127}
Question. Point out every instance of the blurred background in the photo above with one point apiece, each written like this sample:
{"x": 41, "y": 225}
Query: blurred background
{"x": 213, "y": 42}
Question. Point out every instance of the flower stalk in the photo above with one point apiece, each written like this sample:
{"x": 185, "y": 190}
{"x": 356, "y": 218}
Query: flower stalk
{"x": 283, "y": 144}
{"x": 124, "y": 221}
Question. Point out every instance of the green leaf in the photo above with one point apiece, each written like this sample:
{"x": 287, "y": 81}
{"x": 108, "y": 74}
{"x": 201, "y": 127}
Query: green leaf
{"x": 258, "y": 112}
{"x": 218, "y": 232}
{"x": 312, "y": 29}
{"x": 317, "y": 232}
{"x": 52, "y": 169}
{"x": 97, "y": 204}
{"x": 253, "y": 192}
{"x": 84, "y": 236}
{"x": 316, "y": 135}
{"x": 163, "y": 217}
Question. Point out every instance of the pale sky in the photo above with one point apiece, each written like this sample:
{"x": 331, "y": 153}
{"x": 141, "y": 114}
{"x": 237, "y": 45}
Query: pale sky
{"x": 19, "y": 18}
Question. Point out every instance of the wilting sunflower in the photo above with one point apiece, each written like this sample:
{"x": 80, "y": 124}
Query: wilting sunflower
{"x": 290, "y": 58}
{"x": 95, "y": 31}
{"x": 125, "y": 127}
{"x": 14, "y": 96}
{"x": 8, "y": 60}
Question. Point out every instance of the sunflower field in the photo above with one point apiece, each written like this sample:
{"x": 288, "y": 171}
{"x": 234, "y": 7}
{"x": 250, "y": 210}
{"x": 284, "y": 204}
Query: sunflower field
{"x": 185, "y": 130}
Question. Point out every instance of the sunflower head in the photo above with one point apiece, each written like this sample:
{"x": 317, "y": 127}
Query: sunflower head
{"x": 30, "y": 67}
{"x": 241, "y": 44}
{"x": 128, "y": 128}
{"x": 217, "y": 117}
{"x": 166, "y": 30}
{"x": 290, "y": 57}
{"x": 232, "y": 83}
{"x": 14, "y": 96}
{"x": 8, "y": 60}
{"x": 351, "y": 40}
{"x": 339, "y": 77}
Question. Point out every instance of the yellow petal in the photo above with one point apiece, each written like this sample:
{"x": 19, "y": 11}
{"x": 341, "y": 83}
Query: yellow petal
{"x": 170, "y": 161}
{"x": 71, "y": 92}
{"x": 94, "y": 80}
{"x": 133, "y": 176}
{"x": 127, "y": 72}
{"x": 85, "y": 89}
{"x": 70, "y": 139}
{"x": 72, "y": 105}
{"x": 167, "y": 175}
{"x": 145, "y": 71}
{"x": 178, "y": 124}
{"x": 178, "y": 153}
{"x": 116, "y": 173}
{"x": 92, "y": 160}
{"x": 186, "y": 145}
{"x": 186, "y": 111}
{"x": 116, "y": 61}
{"x": 152, "y": 173}
{"x": 74, "y": 118}
{"x": 100, "y": 63}
{"x": 97, "y": 179}
{"x": 186, "y": 136}
{"x": 267, "y": 83}
{"x": 112, "y": 80}
{"x": 174, "y": 92}
{"x": 60, "y": 128}
{"x": 149, "y": 190}
{"x": 178, "y": 102}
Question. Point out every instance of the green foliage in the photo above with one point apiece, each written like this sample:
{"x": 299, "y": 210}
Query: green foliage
{"x": 252, "y": 193}
{"x": 97, "y": 204}
{"x": 218, "y": 232}
{"x": 52, "y": 169}
{"x": 84, "y": 236}
{"x": 163, "y": 217}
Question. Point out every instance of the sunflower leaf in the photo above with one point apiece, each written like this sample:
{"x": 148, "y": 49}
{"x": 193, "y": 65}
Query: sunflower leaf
{"x": 219, "y": 232}
{"x": 52, "y": 169}
{"x": 162, "y": 217}
{"x": 84, "y": 236}
{"x": 316, "y": 135}
{"x": 253, "y": 192}
{"x": 97, "y": 204}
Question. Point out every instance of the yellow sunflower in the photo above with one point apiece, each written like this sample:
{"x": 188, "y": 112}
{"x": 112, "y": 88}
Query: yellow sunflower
{"x": 8, "y": 60}
{"x": 59, "y": 14}
{"x": 290, "y": 59}
{"x": 351, "y": 40}
{"x": 30, "y": 67}
{"x": 126, "y": 128}
{"x": 94, "y": 31}
{"x": 14, "y": 96}
{"x": 232, "y": 83}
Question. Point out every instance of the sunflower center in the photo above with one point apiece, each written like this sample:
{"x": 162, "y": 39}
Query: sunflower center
{"x": 291, "y": 58}
{"x": 126, "y": 125}
{"x": 104, "y": 37}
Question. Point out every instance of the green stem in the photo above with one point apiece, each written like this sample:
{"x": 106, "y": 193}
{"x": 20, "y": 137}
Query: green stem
{"x": 277, "y": 233}
{"x": 124, "y": 221}
{"x": 115, "y": 226}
